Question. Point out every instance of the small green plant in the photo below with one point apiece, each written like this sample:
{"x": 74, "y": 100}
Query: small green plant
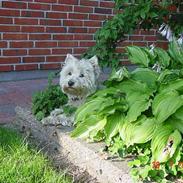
{"x": 43, "y": 102}
{"x": 141, "y": 113}
{"x": 21, "y": 163}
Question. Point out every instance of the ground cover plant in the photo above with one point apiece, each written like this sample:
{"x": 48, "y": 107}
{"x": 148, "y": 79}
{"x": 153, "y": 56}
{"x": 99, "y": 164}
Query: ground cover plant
{"x": 141, "y": 113}
{"x": 43, "y": 102}
{"x": 22, "y": 164}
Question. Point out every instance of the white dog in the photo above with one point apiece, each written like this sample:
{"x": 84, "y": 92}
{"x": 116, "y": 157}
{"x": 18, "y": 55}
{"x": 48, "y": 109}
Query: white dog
{"x": 78, "y": 80}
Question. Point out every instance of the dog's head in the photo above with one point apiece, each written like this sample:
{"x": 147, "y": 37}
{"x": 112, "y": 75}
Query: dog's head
{"x": 78, "y": 77}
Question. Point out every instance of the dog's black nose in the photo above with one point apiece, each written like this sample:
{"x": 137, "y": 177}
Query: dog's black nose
{"x": 70, "y": 83}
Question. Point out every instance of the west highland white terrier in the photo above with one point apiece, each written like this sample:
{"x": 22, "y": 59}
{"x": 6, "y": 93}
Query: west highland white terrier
{"x": 78, "y": 80}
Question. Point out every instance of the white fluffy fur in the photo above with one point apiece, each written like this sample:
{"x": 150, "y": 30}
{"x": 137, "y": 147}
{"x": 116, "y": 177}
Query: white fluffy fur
{"x": 84, "y": 75}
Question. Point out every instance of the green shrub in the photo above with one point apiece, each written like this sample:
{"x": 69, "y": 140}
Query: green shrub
{"x": 141, "y": 113}
{"x": 43, "y": 102}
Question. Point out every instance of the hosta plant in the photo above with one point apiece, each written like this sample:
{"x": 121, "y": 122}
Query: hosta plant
{"x": 141, "y": 113}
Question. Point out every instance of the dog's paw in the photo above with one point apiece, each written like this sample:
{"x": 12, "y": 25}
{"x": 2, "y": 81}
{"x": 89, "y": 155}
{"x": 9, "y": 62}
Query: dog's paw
{"x": 56, "y": 112}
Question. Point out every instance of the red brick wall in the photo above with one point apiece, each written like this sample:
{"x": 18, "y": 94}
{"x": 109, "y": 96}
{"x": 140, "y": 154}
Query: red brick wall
{"x": 37, "y": 34}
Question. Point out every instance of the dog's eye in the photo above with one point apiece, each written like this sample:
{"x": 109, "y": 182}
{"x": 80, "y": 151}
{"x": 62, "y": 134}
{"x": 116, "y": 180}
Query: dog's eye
{"x": 81, "y": 75}
{"x": 69, "y": 73}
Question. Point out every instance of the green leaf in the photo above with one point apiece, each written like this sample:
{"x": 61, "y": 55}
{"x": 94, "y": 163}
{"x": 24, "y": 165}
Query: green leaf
{"x": 113, "y": 123}
{"x": 164, "y": 143}
{"x": 165, "y": 104}
{"x": 89, "y": 128}
{"x": 145, "y": 75}
{"x": 163, "y": 57}
{"x": 140, "y": 131}
{"x": 173, "y": 85}
{"x": 138, "y": 55}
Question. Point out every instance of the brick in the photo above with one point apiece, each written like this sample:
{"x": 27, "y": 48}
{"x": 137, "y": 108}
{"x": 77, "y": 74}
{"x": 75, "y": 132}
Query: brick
{"x": 103, "y": 10}
{"x": 32, "y": 29}
{"x": 77, "y": 30}
{"x": 55, "y": 58}
{"x": 38, "y": 6}
{"x": 22, "y": 44}
{"x": 92, "y": 30}
{"x": 72, "y": 2}
{"x": 79, "y": 50}
{"x": 88, "y": 3}
{"x": 46, "y": 1}
{"x": 14, "y": 52}
{"x": 55, "y": 29}
{"x": 9, "y": 60}
{"x": 56, "y": 15}
{"x": 33, "y": 59}
{"x": 97, "y": 17}
{"x": 83, "y": 37}
{"x": 5, "y": 68}
{"x": 39, "y": 36}
{"x": 61, "y": 51}
{"x": 92, "y": 23}
{"x": 46, "y": 44}
{"x": 15, "y": 5}
{"x": 150, "y": 32}
{"x": 140, "y": 43}
{"x": 78, "y": 16}
{"x": 7, "y": 36}
{"x": 39, "y": 52}
{"x": 72, "y": 23}
{"x": 5, "y": 28}
{"x": 61, "y": 8}
{"x": 24, "y": 67}
{"x": 87, "y": 44}
{"x": 163, "y": 45}
{"x": 6, "y": 20}
{"x": 50, "y": 22}
{"x": 120, "y": 50}
{"x": 14, "y": 13}
{"x": 50, "y": 66}
{"x": 63, "y": 37}
{"x": 26, "y": 21}
{"x": 67, "y": 44}
{"x": 32, "y": 14}
{"x": 3, "y": 44}
{"x": 150, "y": 38}
{"x": 83, "y": 9}
{"x": 136, "y": 38}
{"x": 107, "y": 4}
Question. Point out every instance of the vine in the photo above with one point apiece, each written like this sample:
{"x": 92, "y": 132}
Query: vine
{"x": 136, "y": 14}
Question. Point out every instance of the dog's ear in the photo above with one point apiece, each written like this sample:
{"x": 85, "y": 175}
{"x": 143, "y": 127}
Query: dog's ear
{"x": 94, "y": 62}
{"x": 70, "y": 58}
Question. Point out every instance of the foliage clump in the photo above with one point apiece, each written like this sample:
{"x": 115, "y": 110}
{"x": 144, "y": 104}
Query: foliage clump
{"x": 43, "y": 102}
{"x": 136, "y": 14}
{"x": 141, "y": 113}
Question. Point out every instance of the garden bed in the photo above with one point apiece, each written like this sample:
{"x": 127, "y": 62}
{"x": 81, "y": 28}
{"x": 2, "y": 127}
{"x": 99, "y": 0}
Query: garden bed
{"x": 85, "y": 161}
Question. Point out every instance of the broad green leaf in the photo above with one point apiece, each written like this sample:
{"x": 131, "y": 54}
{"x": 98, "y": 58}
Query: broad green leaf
{"x": 113, "y": 123}
{"x": 165, "y": 104}
{"x": 168, "y": 76}
{"x": 164, "y": 143}
{"x": 163, "y": 57}
{"x": 145, "y": 75}
{"x": 137, "y": 108}
{"x": 138, "y": 55}
{"x": 176, "y": 51}
{"x": 89, "y": 128}
{"x": 173, "y": 85}
{"x": 140, "y": 131}
{"x": 176, "y": 123}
